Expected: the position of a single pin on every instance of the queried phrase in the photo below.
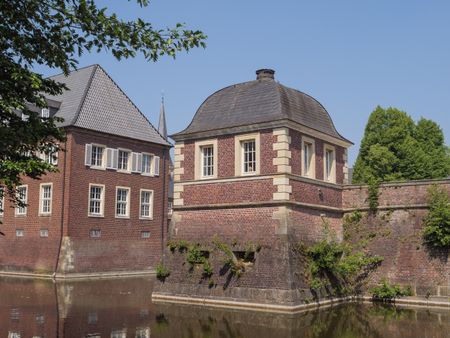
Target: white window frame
(332, 177)
(152, 164)
(239, 154)
(45, 112)
(311, 172)
(199, 146)
(103, 165)
(129, 152)
(41, 199)
(22, 211)
(127, 205)
(102, 200)
(150, 206)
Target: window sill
(147, 174)
(45, 215)
(146, 218)
(123, 171)
(122, 217)
(20, 215)
(96, 168)
(96, 216)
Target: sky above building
(349, 55)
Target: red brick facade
(69, 248)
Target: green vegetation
(387, 292)
(162, 272)
(373, 192)
(396, 148)
(54, 34)
(437, 221)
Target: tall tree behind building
(396, 148)
(55, 33)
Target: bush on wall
(437, 221)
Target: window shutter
(115, 158)
(111, 158)
(156, 166)
(139, 163)
(134, 162)
(88, 154)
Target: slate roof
(262, 100)
(94, 101)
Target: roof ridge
(75, 70)
(86, 90)
(126, 96)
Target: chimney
(265, 74)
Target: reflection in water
(122, 308)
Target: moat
(123, 308)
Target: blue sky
(349, 55)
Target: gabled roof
(94, 101)
(260, 101)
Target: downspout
(62, 208)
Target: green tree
(437, 221)
(54, 33)
(395, 148)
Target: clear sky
(349, 55)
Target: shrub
(207, 269)
(195, 255)
(387, 292)
(437, 221)
(162, 272)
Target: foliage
(181, 245)
(162, 272)
(396, 148)
(195, 255)
(373, 192)
(237, 267)
(337, 265)
(387, 292)
(437, 221)
(54, 33)
(207, 269)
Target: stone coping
(78, 276)
(285, 309)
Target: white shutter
(134, 162)
(111, 158)
(156, 166)
(88, 154)
(139, 163)
(115, 158)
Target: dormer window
(45, 112)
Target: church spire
(162, 128)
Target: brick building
(105, 210)
(260, 163)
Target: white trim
(238, 154)
(103, 166)
(129, 152)
(41, 199)
(311, 173)
(152, 193)
(26, 201)
(332, 177)
(102, 200)
(127, 206)
(199, 158)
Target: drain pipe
(165, 200)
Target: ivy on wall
(437, 221)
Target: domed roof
(259, 101)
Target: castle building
(259, 163)
(105, 210)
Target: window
(170, 207)
(119, 334)
(95, 233)
(19, 232)
(97, 156)
(122, 202)
(45, 203)
(22, 193)
(24, 117)
(146, 206)
(147, 160)
(96, 197)
(50, 158)
(143, 332)
(145, 234)
(45, 112)
(329, 164)
(248, 156)
(308, 157)
(124, 160)
(207, 165)
(43, 233)
(13, 334)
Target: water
(123, 308)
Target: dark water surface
(123, 308)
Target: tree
(54, 33)
(396, 148)
(437, 221)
